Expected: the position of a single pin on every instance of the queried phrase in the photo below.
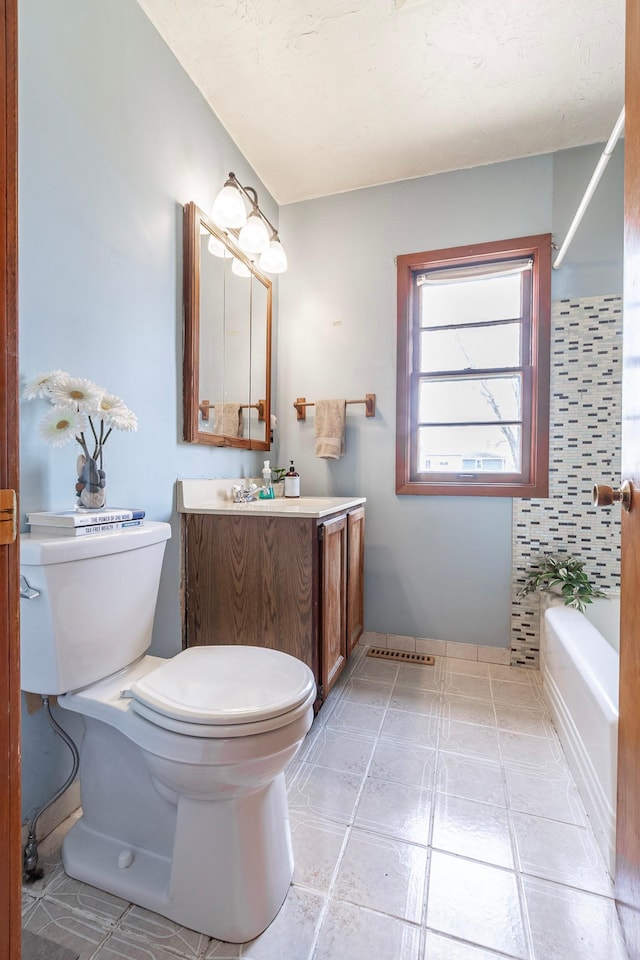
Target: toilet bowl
(182, 760)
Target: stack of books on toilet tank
(75, 523)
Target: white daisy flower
(82, 411)
(121, 418)
(109, 402)
(41, 386)
(83, 394)
(62, 424)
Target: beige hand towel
(227, 419)
(330, 418)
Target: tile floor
(434, 818)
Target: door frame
(627, 885)
(10, 852)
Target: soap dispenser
(267, 492)
(292, 482)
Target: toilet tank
(96, 604)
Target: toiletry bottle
(292, 482)
(267, 492)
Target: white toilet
(182, 760)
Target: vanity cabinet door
(333, 599)
(355, 577)
(292, 584)
(252, 580)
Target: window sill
(475, 489)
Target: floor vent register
(404, 656)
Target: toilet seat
(221, 731)
(224, 691)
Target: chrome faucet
(244, 494)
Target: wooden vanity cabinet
(289, 583)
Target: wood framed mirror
(227, 340)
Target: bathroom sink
(196, 497)
(291, 503)
(288, 507)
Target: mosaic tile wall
(584, 448)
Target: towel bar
(205, 405)
(301, 404)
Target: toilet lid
(225, 685)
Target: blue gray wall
(114, 138)
(435, 567)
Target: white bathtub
(605, 616)
(580, 681)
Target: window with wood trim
(473, 370)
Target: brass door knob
(604, 496)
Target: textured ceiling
(323, 96)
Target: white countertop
(213, 496)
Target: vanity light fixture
(228, 207)
(253, 237)
(274, 260)
(258, 236)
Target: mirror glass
(211, 325)
(227, 340)
(259, 341)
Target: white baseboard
(438, 648)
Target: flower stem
(95, 437)
(83, 443)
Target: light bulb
(228, 207)
(273, 260)
(239, 268)
(253, 236)
(217, 248)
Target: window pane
(471, 301)
(470, 348)
(468, 400)
(484, 449)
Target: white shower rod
(593, 183)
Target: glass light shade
(228, 208)
(273, 260)
(253, 236)
(239, 268)
(218, 249)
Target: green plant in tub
(565, 572)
